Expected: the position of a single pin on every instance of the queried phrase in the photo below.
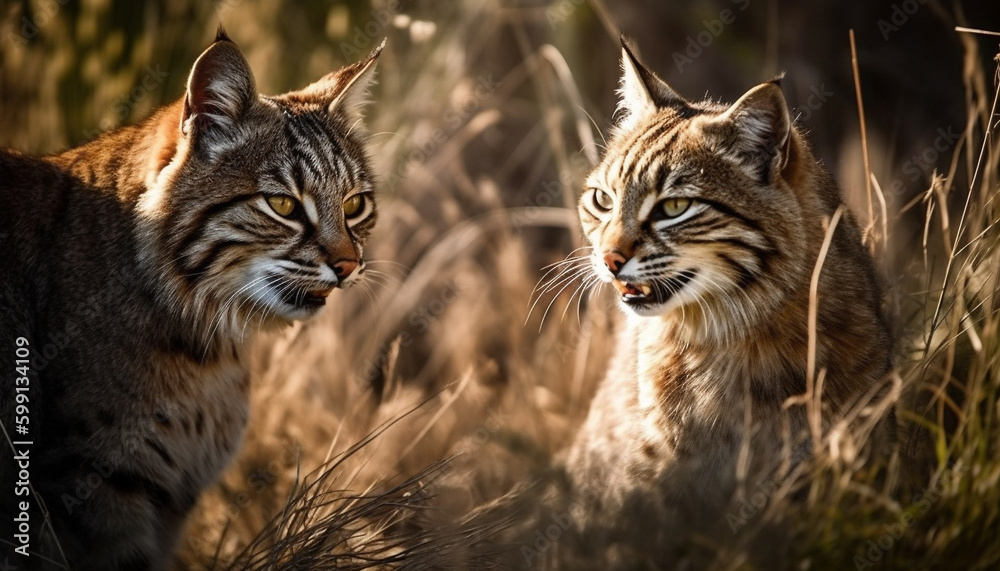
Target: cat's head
(260, 206)
(692, 207)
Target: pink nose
(344, 268)
(614, 261)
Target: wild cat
(133, 272)
(708, 221)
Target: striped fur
(708, 221)
(138, 266)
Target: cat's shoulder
(22, 173)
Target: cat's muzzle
(302, 298)
(658, 292)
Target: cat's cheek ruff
(159, 182)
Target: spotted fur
(139, 265)
(708, 220)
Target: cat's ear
(641, 91)
(344, 92)
(354, 95)
(220, 89)
(757, 128)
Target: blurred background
(486, 117)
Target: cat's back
(32, 190)
(43, 206)
(50, 222)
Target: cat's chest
(191, 421)
(688, 409)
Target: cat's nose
(614, 261)
(344, 268)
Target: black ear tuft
(221, 35)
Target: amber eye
(674, 207)
(282, 205)
(353, 204)
(603, 200)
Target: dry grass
(381, 432)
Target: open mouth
(303, 298)
(638, 294)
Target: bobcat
(708, 221)
(133, 272)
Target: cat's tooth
(646, 290)
(620, 286)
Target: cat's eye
(674, 207)
(353, 205)
(603, 200)
(282, 205)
